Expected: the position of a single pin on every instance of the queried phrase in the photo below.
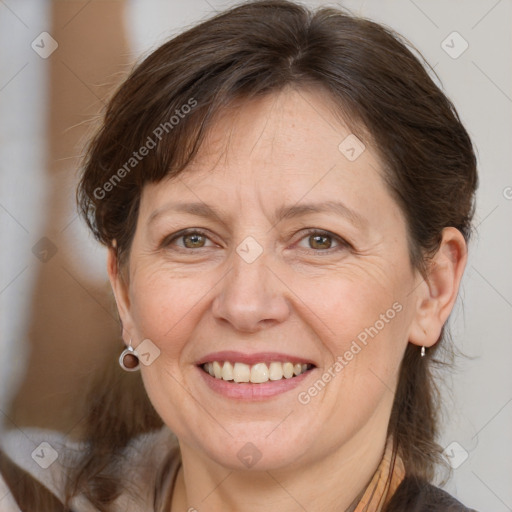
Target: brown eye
(323, 241)
(193, 240)
(320, 241)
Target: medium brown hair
(255, 49)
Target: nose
(251, 296)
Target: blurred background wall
(59, 62)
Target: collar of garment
(385, 481)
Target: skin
(304, 296)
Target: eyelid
(180, 234)
(305, 232)
(341, 241)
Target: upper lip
(258, 357)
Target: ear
(119, 285)
(437, 293)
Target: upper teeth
(257, 373)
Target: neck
(339, 479)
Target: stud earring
(422, 351)
(129, 359)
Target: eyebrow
(201, 209)
(298, 210)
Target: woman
(286, 198)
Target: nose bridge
(250, 295)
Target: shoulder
(7, 502)
(415, 495)
(38, 453)
(144, 458)
(46, 455)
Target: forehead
(282, 148)
(275, 130)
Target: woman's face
(295, 253)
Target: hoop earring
(422, 351)
(129, 359)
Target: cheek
(365, 325)
(355, 308)
(165, 307)
(366, 341)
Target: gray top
(44, 453)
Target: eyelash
(343, 244)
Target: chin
(256, 447)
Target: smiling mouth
(257, 373)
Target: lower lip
(250, 391)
